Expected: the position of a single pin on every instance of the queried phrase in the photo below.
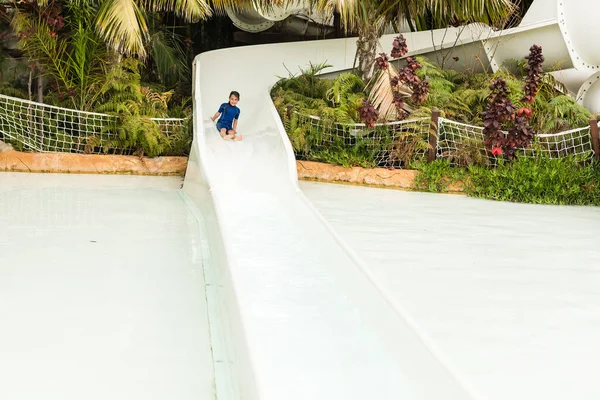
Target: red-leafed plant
(501, 111)
(420, 91)
(399, 104)
(368, 114)
(399, 47)
(520, 134)
(535, 60)
(382, 62)
(408, 76)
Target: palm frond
(81, 11)
(353, 13)
(190, 10)
(432, 14)
(220, 6)
(169, 58)
(491, 12)
(46, 48)
(344, 85)
(86, 62)
(122, 24)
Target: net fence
(574, 142)
(44, 128)
(463, 144)
(388, 145)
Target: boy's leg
(224, 134)
(235, 136)
(223, 131)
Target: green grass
(564, 181)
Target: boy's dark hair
(235, 93)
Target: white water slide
(305, 321)
(114, 288)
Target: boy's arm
(235, 120)
(219, 111)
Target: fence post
(595, 137)
(433, 135)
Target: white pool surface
(102, 293)
(508, 293)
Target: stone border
(378, 177)
(14, 161)
(397, 178)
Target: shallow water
(509, 293)
(102, 293)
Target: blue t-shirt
(228, 114)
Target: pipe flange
(248, 20)
(276, 13)
(589, 93)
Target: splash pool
(102, 290)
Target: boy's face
(233, 100)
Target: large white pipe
(577, 21)
(258, 19)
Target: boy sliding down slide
(228, 121)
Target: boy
(230, 113)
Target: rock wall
(90, 164)
(381, 177)
(14, 161)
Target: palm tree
(123, 23)
(369, 17)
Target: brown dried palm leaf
(382, 95)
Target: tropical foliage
(131, 59)
(72, 64)
(459, 97)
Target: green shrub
(564, 181)
(180, 141)
(437, 176)
(346, 157)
